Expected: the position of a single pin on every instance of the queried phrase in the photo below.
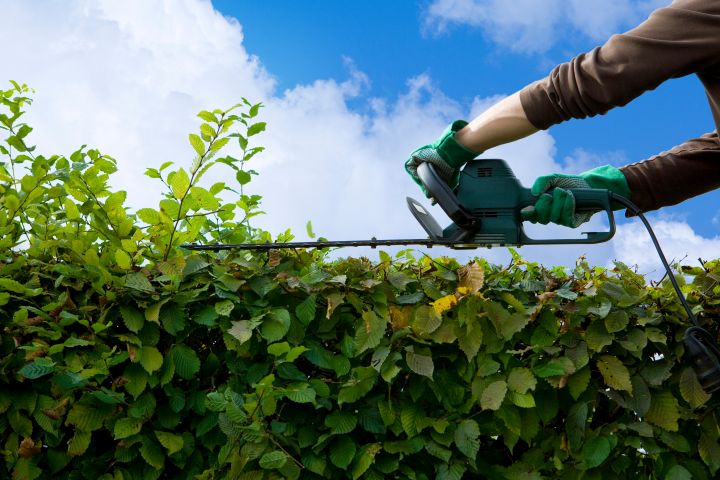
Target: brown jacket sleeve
(675, 41)
(669, 178)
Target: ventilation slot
(486, 214)
(484, 172)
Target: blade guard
(486, 208)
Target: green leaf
(426, 320)
(305, 311)
(138, 281)
(597, 336)
(616, 320)
(172, 318)
(256, 128)
(361, 382)
(151, 359)
(436, 450)
(243, 177)
(241, 330)
(152, 313)
(553, 368)
(207, 131)
(709, 451)
(309, 229)
(420, 364)
(575, 425)
(616, 374)
(187, 363)
(467, 438)
(578, 382)
(276, 325)
(341, 422)
(370, 331)
(179, 182)
(38, 368)
(274, 459)
(224, 308)
(151, 452)
(521, 380)
(173, 443)
(197, 144)
(678, 472)
(506, 324)
(522, 400)
(79, 443)
(87, 418)
(208, 116)
(493, 395)
(342, 452)
(136, 377)
(126, 427)
(71, 209)
(471, 341)
(149, 216)
(295, 353)
(596, 451)
(364, 458)
(133, 318)
(691, 390)
(664, 411)
(300, 393)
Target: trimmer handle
(586, 200)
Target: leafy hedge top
(121, 356)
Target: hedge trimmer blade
(372, 243)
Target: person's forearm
(502, 123)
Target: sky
(350, 89)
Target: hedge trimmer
(485, 212)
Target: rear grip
(591, 199)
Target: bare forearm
(502, 123)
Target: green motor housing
(485, 207)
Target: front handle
(586, 200)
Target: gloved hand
(445, 154)
(558, 206)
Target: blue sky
(350, 88)
(390, 41)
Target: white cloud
(534, 26)
(129, 78)
(581, 160)
(680, 243)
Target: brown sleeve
(669, 178)
(678, 40)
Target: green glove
(445, 154)
(558, 206)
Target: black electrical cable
(635, 210)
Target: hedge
(123, 356)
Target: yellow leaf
(399, 317)
(442, 305)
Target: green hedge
(124, 357)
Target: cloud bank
(129, 78)
(535, 26)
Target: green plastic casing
(490, 192)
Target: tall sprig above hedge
(64, 208)
(173, 224)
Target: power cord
(701, 348)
